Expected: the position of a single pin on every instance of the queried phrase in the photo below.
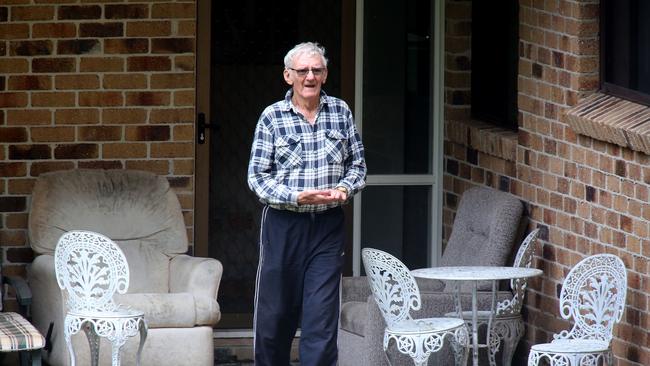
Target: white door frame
(433, 180)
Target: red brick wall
(588, 196)
(92, 84)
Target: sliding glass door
(400, 120)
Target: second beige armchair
(484, 231)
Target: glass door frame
(433, 180)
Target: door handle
(201, 125)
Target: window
(495, 37)
(625, 54)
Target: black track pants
(301, 255)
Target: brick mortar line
(555, 49)
(562, 230)
(592, 168)
(537, 10)
(598, 205)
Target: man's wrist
(342, 189)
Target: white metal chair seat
(396, 293)
(124, 323)
(572, 346)
(427, 325)
(593, 295)
(483, 315)
(90, 269)
(121, 313)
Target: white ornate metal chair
(593, 294)
(507, 324)
(90, 268)
(396, 293)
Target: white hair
(308, 48)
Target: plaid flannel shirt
(289, 155)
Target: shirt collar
(289, 94)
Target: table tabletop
(476, 273)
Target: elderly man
(306, 161)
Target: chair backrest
(485, 225)
(137, 210)
(90, 269)
(392, 285)
(593, 294)
(523, 259)
(133, 208)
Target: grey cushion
(354, 315)
(484, 231)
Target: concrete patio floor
(231, 351)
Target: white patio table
(476, 274)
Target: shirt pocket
(288, 151)
(335, 146)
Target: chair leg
(93, 342)
(421, 362)
(508, 352)
(143, 337)
(515, 332)
(33, 355)
(70, 327)
(533, 358)
(116, 349)
(115, 355)
(459, 343)
(412, 345)
(23, 356)
(495, 340)
(36, 357)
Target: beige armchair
(140, 212)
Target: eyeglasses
(318, 71)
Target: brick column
(92, 85)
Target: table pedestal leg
(474, 325)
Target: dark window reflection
(397, 220)
(397, 86)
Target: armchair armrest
(358, 289)
(437, 304)
(23, 292)
(198, 276)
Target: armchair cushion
(135, 209)
(148, 267)
(123, 205)
(484, 231)
(354, 316)
(177, 310)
